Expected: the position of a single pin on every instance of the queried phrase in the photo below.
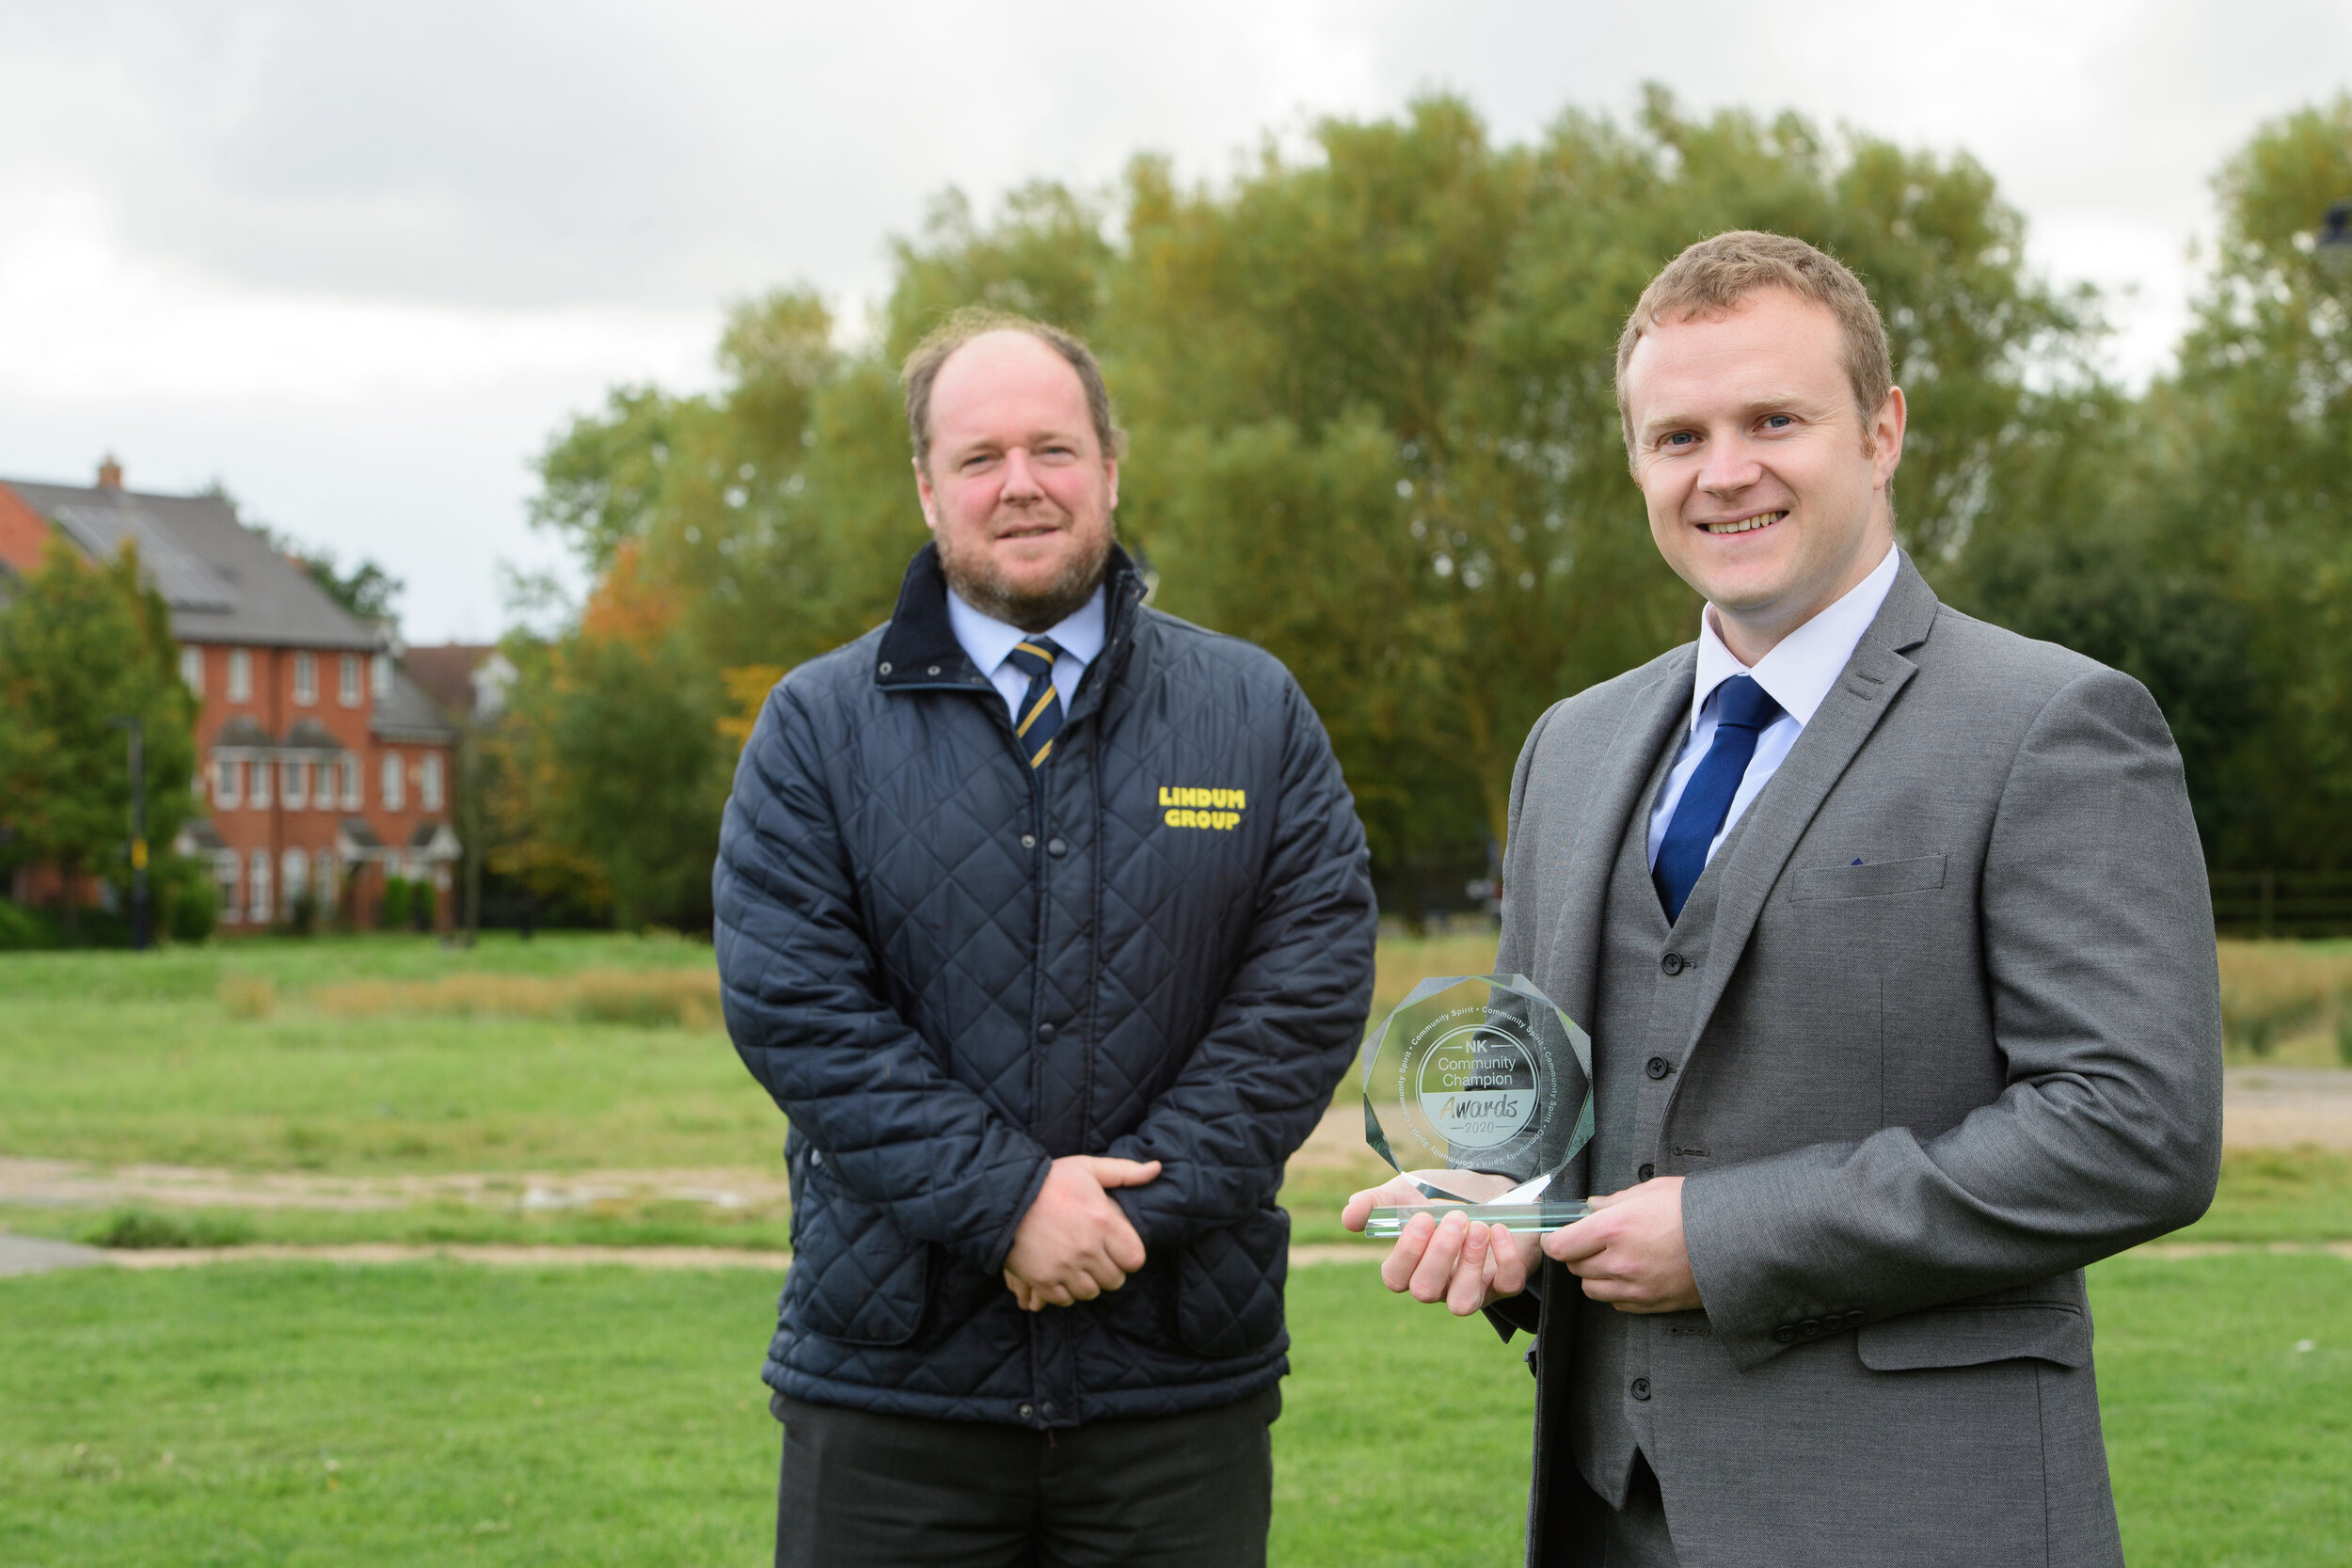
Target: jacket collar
(919, 651)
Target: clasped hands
(1076, 1241)
(1629, 1253)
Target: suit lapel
(1768, 834)
(1625, 767)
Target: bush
(144, 1231)
(187, 902)
(393, 913)
(22, 929)
(422, 902)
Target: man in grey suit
(1891, 929)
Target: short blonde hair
(1715, 276)
(924, 363)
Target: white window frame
(380, 675)
(192, 667)
(327, 877)
(257, 784)
(240, 675)
(227, 790)
(347, 681)
(355, 777)
(429, 782)
(306, 680)
(225, 884)
(395, 785)
(293, 783)
(294, 874)
(257, 880)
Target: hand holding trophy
(1479, 1090)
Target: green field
(300, 1413)
(308, 1415)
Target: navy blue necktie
(1041, 715)
(1742, 709)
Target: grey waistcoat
(1642, 1014)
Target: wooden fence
(2283, 903)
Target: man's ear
(1886, 436)
(1110, 468)
(923, 495)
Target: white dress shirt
(1797, 674)
(988, 643)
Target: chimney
(110, 472)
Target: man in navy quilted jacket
(1045, 917)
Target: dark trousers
(1585, 1532)
(862, 1490)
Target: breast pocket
(1820, 884)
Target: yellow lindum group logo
(1183, 807)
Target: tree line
(1368, 387)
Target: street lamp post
(142, 931)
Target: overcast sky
(358, 261)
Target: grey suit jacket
(1921, 1092)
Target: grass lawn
(309, 1415)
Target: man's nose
(1019, 476)
(1729, 467)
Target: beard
(979, 583)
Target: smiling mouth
(1744, 525)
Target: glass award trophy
(1479, 1091)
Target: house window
(429, 783)
(306, 679)
(395, 788)
(192, 668)
(240, 675)
(297, 792)
(383, 676)
(258, 776)
(351, 782)
(225, 790)
(256, 888)
(325, 875)
(225, 878)
(347, 686)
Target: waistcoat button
(1646, 1171)
(1670, 963)
(1044, 1034)
(1659, 1066)
(1056, 846)
(1641, 1388)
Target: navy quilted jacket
(949, 970)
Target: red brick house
(323, 767)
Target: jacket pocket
(1229, 1286)
(856, 1277)
(1974, 1336)
(1820, 883)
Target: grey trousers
(863, 1490)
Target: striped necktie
(1742, 709)
(1040, 716)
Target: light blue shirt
(988, 643)
(1796, 673)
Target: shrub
(392, 914)
(144, 1231)
(22, 929)
(422, 899)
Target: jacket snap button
(816, 1156)
(1659, 1066)
(934, 669)
(1027, 1411)
(1056, 846)
(1028, 841)
(1784, 1335)
(1641, 1388)
(1046, 1033)
(1670, 963)
(1646, 1171)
